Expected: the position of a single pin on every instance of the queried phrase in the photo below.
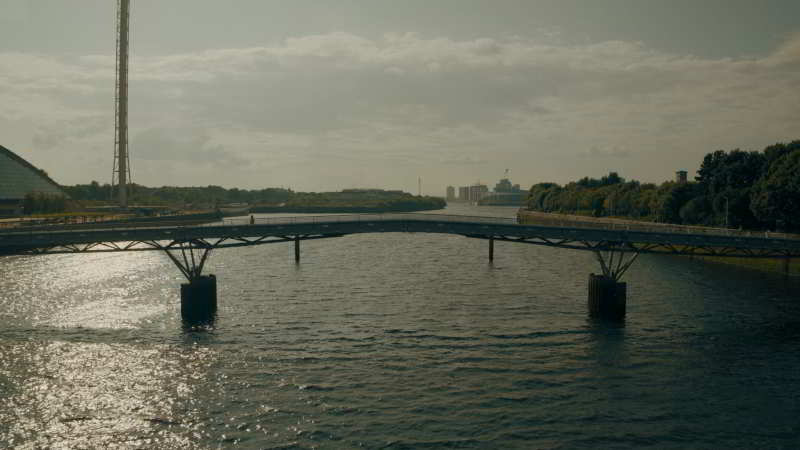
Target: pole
(297, 249)
(122, 102)
(491, 249)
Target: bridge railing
(552, 222)
(365, 218)
(243, 221)
(542, 220)
(659, 228)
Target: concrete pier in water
(199, 300)
(607, 298)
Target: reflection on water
(98, 395)
(395, 340)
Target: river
(396, 341)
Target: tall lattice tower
(121, 172)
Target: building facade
(19, 178)
(477, 192)
(451, 194)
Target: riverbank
(786, 266)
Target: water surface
(395, 341)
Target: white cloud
(444, 107)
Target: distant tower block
(451, 193)
(680, 177)
(121, 171)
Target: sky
(332, 94)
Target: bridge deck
(233, 233)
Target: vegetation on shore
(738, 189)
(261, 200)
(175, 195)
(42, 203)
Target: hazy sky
(325, 95)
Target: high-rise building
(451, 193)
(463, 194)
(680, 177)
(477, 192)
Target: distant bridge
(615, 245)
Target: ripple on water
(394, 341)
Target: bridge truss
(189, 255)
(616, 257)
(188, 246)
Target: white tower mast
(121, 172)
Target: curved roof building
(19, 178)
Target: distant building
(477, 192)
(451, 193)
(680, 176)
(463, 194)
(504, 185)
(19, 178)
(505, 194)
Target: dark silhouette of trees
(775, 199)
(215, 196)
(40, 202)
(173, 195)
(740, 189)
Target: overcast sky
(324, 95)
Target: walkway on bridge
(188, 246)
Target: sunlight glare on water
(395, 341)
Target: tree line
(737, 189)
(175, 195)
(43, 203)
(215, 196)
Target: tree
(673, 196)
(697, 211)
(611, 178)
(776, 198)
(39, 202)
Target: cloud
(407, 100)
(191, 146)
(616, 152)
(464, 160)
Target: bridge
(188, 246)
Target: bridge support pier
(199, 300)
(607, 297)
(199, 295)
